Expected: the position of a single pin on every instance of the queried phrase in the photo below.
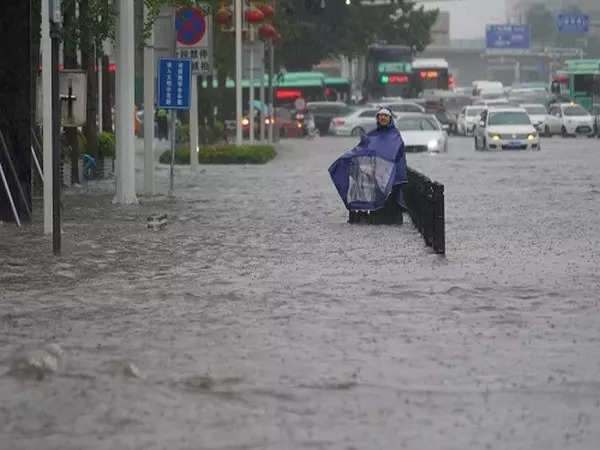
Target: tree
(311, 34)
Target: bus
(292, 85)
(388, 72)
(584, 81)
(430, 74)
(337, 89)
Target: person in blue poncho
(369, 178)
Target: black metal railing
(425, 203)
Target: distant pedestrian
(163, 126)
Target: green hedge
(106, 144)
(224, 154)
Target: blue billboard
(508, 36)
(573, 23)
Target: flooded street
(259, 319)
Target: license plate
(514, 144)
(584, 129)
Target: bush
(106, 144)
(182, 133)
(224, 154)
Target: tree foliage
(313, 34)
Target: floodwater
(259, 319)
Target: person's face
(383, 119)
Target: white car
(506, 129)
(467, 119)
(492, 102)
(537, 114)
(357, 122)
(405, 107)
(421, 133)
(568, 119)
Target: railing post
(439, 232)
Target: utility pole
(46, 44)
(55, 20)
(238, 72)
(125, 138)
(149, 111)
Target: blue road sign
(508, 36)
(174, 82)
(573, 23)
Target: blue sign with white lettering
(573, 23)
(508, 36)
(174, 82)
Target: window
(472, 112)
(575, 110)
(539, 110)
(583, 83)
(369, 113)
(509, 118)
(416, 124)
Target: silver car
(357, 122)
(467, 119)
(568, 119)
(537, 114)
(506, 129)
(421, 133)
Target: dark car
(448, 121)
(323, 112)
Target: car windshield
(471, 112)
(575, 110)
(535, 109)
(509, 118)
(416, 124)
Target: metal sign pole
(56, 220)
(172, 167)
(262, 97)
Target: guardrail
(425, 203)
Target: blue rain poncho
(366, 176)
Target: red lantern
(254, 15)
(223, 15)
(266, 31)
(267, 10)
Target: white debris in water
(37, 363)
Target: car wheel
(563, 132)
(358, 131)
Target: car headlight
(494, 136)
(531, 137)
(434, 144)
